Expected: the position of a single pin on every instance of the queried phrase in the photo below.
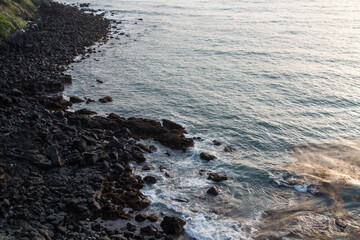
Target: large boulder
(173, 225)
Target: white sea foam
(185, 193)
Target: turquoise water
(259, 76)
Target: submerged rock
(105, 99)
(229, 149)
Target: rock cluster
(61, 170)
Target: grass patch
(13, 15)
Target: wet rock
(207, 156)
(75, 99)
(216, 143)
(175, 141)
(85, 111)
(105, 99)
(152, 218)
(153, 148)
(150, 180)
(229, 149)
(140, 217)
(131, 227)
(181, 200)
(128, 234)
(149, 230)
(146, 168)
(96, 227)
(213, 191)
(164, 168)
(84, 4)
(202, 171)
(217, 177)
(172, 125)
(173, 225)
(89, 100)
(168, 175)
(198, 139)
(144, 148)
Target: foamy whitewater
(278, 81)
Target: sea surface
(278, 81)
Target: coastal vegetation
(14, 15)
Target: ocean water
(278, 81)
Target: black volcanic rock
(173, 225)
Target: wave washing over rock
(254, 76)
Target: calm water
(279, 81)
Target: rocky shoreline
(60, 170)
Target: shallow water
(276, 80)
